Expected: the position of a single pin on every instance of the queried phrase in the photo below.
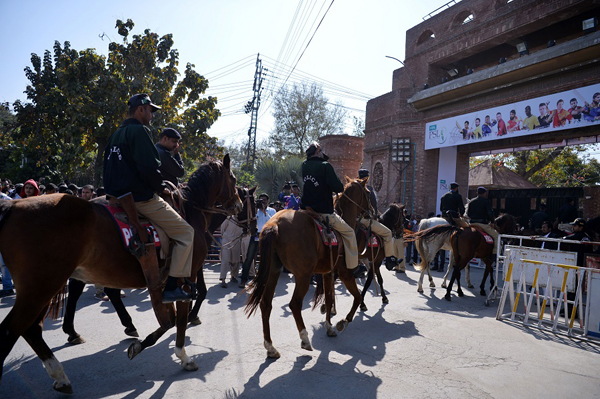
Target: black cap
(481, 190)
(362, 173)
(312, 149)
(171, 133)
(578, 222)
(454, 185)
(141, 99)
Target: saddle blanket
(121, 218)
(488, 238)
(325, 238)
(373, 242)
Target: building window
(377, 176)
(426, 36)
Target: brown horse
(86, 245)
(291, 238)
(393, 219)
(469, 243)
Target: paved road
(418, 346)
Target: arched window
(463, 18)
(426, 36)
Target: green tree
(271, 174)
(302, 115)
(571, 166)
(77, 99)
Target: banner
(565, 110)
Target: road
(417, 346)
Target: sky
(222, 39)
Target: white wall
(446, 173)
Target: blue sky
(348, 49)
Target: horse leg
(449, 271)
(302, 284)
(377, 267)
(75, 289)
(455, 277)
(487, 272)
(350, 283)
(459, 290)
(468, 276)
(138, 346)
(266, 305)
(193, 318)
(370, 273)
(114, 295)
(188, 364)
(329, 303)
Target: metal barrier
(524, 279)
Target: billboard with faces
(564, 110)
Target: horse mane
(197, 189)
(506, 223)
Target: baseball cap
(171, 133)
(481, 189)
(362, 173)
(142, 99)
(454, 185)
(578, 222)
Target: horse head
(353, 201)
(505, 224)
(228, 195)
(393, 217)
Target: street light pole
(412, 81)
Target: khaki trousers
(160, 213)
(399, 253)
(348, 237)
(491, 231)
(383, 231)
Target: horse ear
(364, 180)
(348, 180)
(227, 161)
(252, 190)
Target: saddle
(142, 242)
(372, 239)
(488, 238)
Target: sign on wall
(565, 110)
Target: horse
(87, 246)
(429, 241)
(393, 219)
(291, 238)
(76, 287)
(469, 243)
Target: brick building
(476, 56)
(345, 153)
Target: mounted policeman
(452, 205)
(480, 212)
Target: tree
(570, 166)
(77, 99)
(271, 174)
(302, 115)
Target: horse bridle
(362, 210)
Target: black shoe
(242, 283)
(390, 262)
(5, 293)
(176, 295)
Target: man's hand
(166, 191)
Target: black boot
(391, 262)
(173, 293)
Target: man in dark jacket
(171, 165)
(481, 215)
(452, 202)
(320, 181)
(131, 166)
(538, 218)
(567, 213)
(378, 228)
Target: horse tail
(421, 250)
(454, 243)
(319, 292)
(267, 259)
(424, 237)
(55, 310)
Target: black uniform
(567, 213)
(480, 210)
(171, 165)
(452, 201)
(320, 181)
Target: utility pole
(252, 108)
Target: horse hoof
(306, 345)
(482, 293)
(448, 297)
(420, 290)
(63, 388)
(331, 332)
(341, 325)
(432, 285)
(76, 340)
(460, 294)
(134, 349)
(323, 309)
(195, 322)
(274, 354)
(487, 303)
(333, 312)
(470, 286)
(132, 332)
(191, 366)
(363, 308)
(385, 300)
(444, 285)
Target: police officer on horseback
(370, 222)
(320, 181)
(480, 212)
(452, 205)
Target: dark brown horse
(245, 219)
(393, 219)
(291, 238)
(469, 243)
(87, 246)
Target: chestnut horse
(245, 218)
(87, 246)
(393, 219)
(291, 238)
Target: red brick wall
(345, 153)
